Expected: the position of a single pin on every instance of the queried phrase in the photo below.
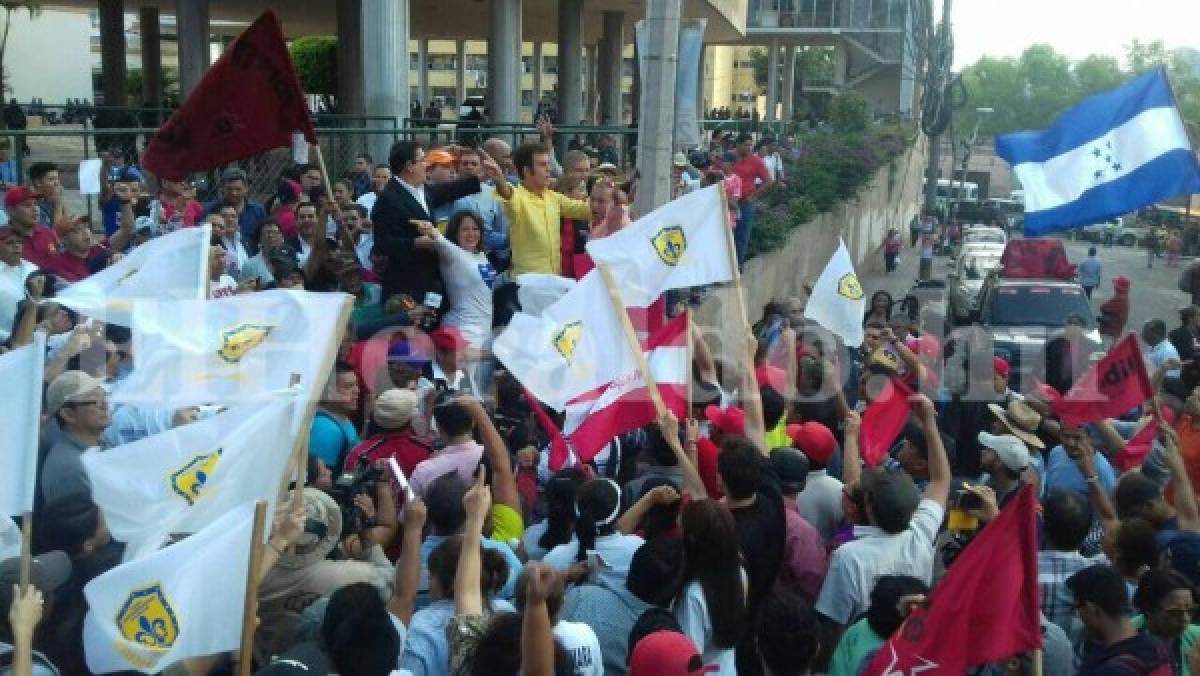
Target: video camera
(362, 480)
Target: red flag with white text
(985, 610)
(249, 101)
(594, 418)
(1116, 384)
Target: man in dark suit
(412, 263)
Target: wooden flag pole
(690, 363)
(26, 549)
(631, 338)
(300, 450)
(1037, 662)
(250, 603)
(731, 249)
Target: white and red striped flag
(595, 417)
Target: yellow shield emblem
(188, 481)
(670, 243)
(147, 619)
(566, 339)
(239, 340)
(849, 287)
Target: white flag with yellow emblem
(837, 300)
(171, 267)
(183, 601)
(20, 417)
(574, 346)
(232, 350)
(683, 243)
(181, 480)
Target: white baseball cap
(1011, 450)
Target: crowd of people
(750, 537)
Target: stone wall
(889, 200)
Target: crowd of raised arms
(749, 538)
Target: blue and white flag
(1112, 154)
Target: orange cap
(439, 158)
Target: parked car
(966, 277)
(985, 234)
(1021, 315)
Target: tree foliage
(1028, 92)
(315, 57)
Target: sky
(1075, 28)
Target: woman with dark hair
(1167, 604)
(469, 277)
(880, 308)
(605, 553)
(559, 525)
(711, 606)
(268, 237)
(283, 206)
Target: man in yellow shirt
(535, 212)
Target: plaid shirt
(1053, 570)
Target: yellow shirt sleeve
(507, 524)
(579, 210)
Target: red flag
(1137, 448)
(1036, 259)
(986, 609)
(249, 101)
(594, 418)
(1112, 387)
(559, 451)
(882, 422)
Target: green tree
(10, 6)
(170, 86)
(1049, 85)
(1095, 74)
(316, 63)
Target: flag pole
(1037, 662)
(731, 249)
(26, 549)
(300, 450)
(250, 603)
(631, 338)
(690, 364)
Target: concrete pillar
(790, 55)
(191, 25)
(570, 61)
(839, 64)
(772, 79)
(112, 51)
(152, 93)
(460, 72)
(657, 125)
(385, 25)
(350, 57)
(591, 84)
(907, 70)
(701, 104)
(612, 48)
(423, 72)
(504, 62)
(539, 67)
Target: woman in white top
(711, 606)
(559, 525)
(469, 278)
(606, 552)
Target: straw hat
(1021, 420)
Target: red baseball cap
(730, 420)
(19, 194)
(1121, 283)
(1000, 364)
(667, 653)
(814, 440)
(448, 338)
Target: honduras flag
(1111, 154)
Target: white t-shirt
(856, 566)
(469, 278)
(367, 199)
(581, 644)
(12, 292)
(692, 613)
(609, 560)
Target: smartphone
(433, 300)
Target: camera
(362, 480)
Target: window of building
(413, 60)
(448, 96)
(526, 97)
(442, 62)
(627, 66)
(477, 62)
(550, 64)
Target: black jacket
(410, 270)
